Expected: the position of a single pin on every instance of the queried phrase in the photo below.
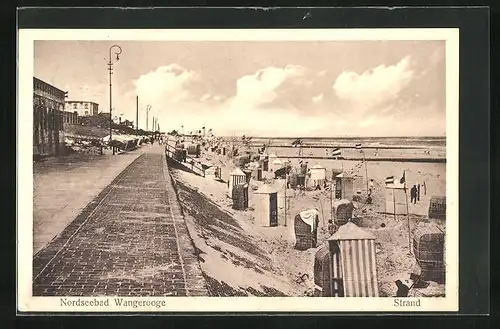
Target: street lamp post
(148, 108)
(118, 51)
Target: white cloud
(263, 86)
(268, 102)
(373, 86)
(317, 99)
(171, 84)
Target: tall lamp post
(118, 51)
(148, 108)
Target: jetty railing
(190, 163)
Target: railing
(190, 163)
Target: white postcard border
(27, 303)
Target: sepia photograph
(314, 167)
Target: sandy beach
(290, 271)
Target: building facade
(70, 117)
(83, 108)
(48, 106)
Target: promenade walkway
(131, 240)
(62, 188)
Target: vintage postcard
(306, 170)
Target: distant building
(70, 117)
(83, 108)
(48, 108)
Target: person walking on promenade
(418, 192)
(371, 186)
(413, 194)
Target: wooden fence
(191, 163)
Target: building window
(86, 112)
(74, 107)
(86, 106)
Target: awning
(121, 138)
(237, 172)
(309, 217)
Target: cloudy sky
(327, 88)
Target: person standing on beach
(331, 227)
(403, 289)
(418, 192)
(425, 189)
(413, 194)
(303, 168)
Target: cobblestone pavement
(131, 240)
(62, 187)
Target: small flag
(358, 146)
(389, 180)
(336, 151)
(403, 179)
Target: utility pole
(148, 108)
(110, 69)
(331, 199)
(286, 182)
(366, 171)
(137, 115)
(407, 215)
(394, 203)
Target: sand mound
(232, 262)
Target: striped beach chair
(353, 263)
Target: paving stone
(125, 242)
